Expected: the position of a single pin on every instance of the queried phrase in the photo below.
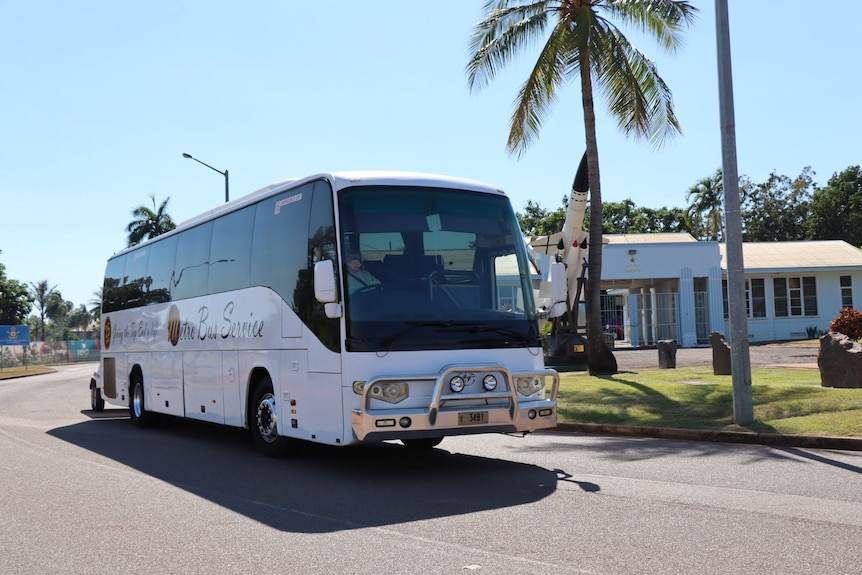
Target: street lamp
(224, 173)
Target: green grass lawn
(10, 372)
(786, 400)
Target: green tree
(15, 299)
(537, 221)
(96, 305)
(706, 201)
(778, 209)
(41, 296)
(57, 310)
(584, 44)
(618, 217)
(836, 210)
(149, 223)
(79, 318)
(662, 220)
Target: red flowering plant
(848, 322)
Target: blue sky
(100, 98)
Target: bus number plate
(473, 418)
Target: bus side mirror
(325, 289)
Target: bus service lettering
(230, 328)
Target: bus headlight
(456, 384)
(530, 385)
(388, 391)
(489, 382)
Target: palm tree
(706, 199)
(583, 43)
(42, 294)
(96, 305)
(57, 310)
(149, 223)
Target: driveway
(794, 354)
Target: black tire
(422, 444)
(97, 402)
(263, 421)
(137, 409)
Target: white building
(671, 286)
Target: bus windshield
(433, 268)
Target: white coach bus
(338, 308)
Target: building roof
(659, 238)
(784, 256)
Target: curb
(715, 436)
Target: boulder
(840, 361)
(720, 354)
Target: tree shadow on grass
(699, 406)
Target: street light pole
(224, 173)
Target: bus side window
(230, 251)
(191, 269)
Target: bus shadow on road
(322, 489)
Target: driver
(357, 276)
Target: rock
(720, 354)
(840, 361)
(666, 354)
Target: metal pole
(740, 362)
(224, 173)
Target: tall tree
(79, 318)
(538, 221)
(836, 210)
(777, 210)
(706, 199)
(96, 305)
(57, 310)
(42, 296)
(149, 223)
(584, 44)
(15, 300)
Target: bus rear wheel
(137, 409)
(264, 422)
(97, 402)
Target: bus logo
(174, 325)
(108, 333)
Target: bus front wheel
(264, 421)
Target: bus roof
(339, 181)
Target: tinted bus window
(280, 242)
(192, 262)
(160, 269)
(230, 251)
(321, 246)
(135, 277)
(112, 294)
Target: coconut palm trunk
(583, 41)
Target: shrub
(848, 322)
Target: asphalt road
(89, 493)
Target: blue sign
(14, 335)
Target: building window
(795, 296)
(755, 298)
(846, 291)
